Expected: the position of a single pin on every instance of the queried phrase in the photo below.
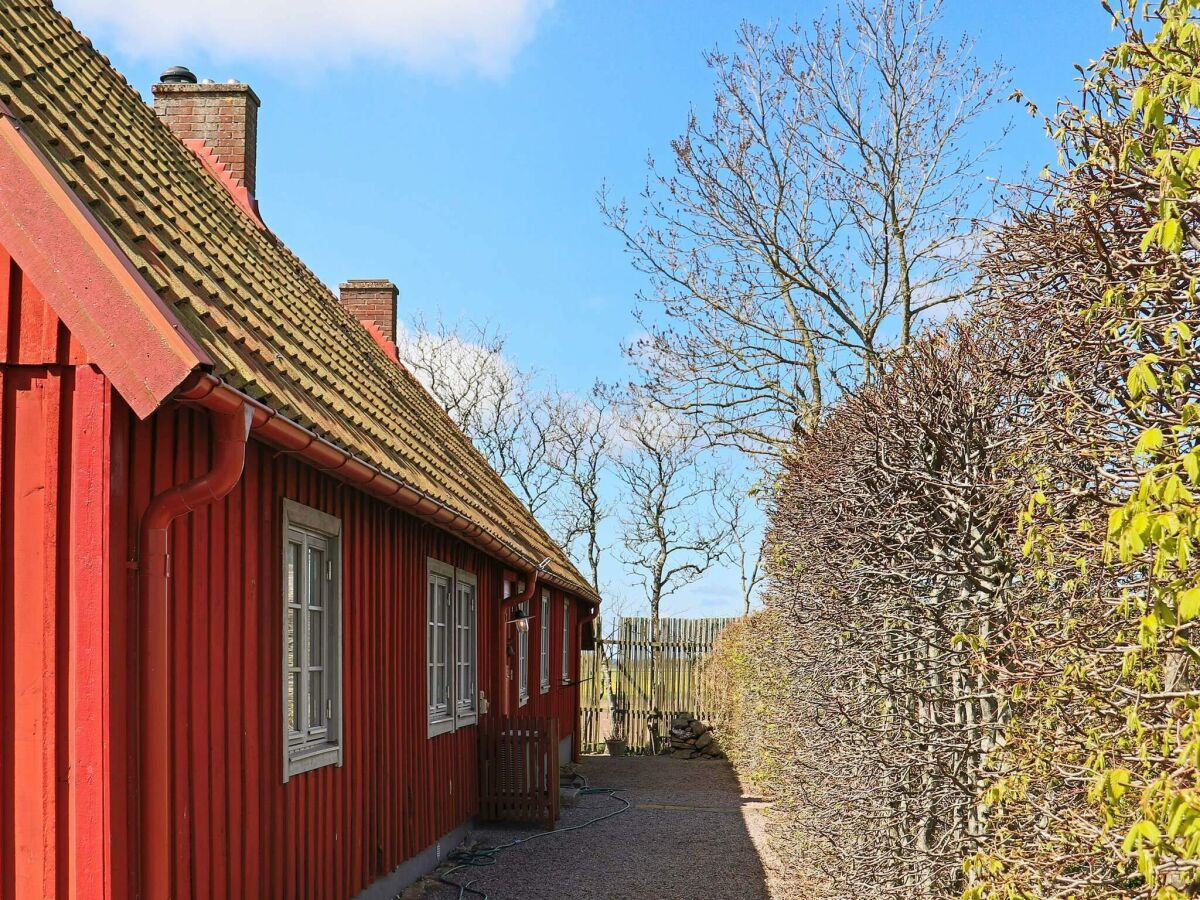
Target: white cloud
(455, 35)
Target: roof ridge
(224, 174)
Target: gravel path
(689, 831)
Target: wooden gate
(616, 677)
(518, 769)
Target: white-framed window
(523, 658)
(465, 650)
(312, 645)
(566, 640)
(451, 647)
(544, 643)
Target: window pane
(544, 648)
(523, 656)
(292, 681)
(431, 643)
(316, 700)
(566, 642)
(438, 646)
(316, 638)
(316, 577)
(464, 626)
(293, 624)
(443, 641)
(291, 582)
(312, 664)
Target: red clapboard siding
(77, 470)
(54, 769)
(239, 831)
(30, 332)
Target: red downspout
(231, 428)
(507, 605)
(577, 739)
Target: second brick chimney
(224, 117)
(372, 300)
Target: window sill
(546, 688)
(305, 759)
(521, 701)
(441, 726)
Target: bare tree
(581, 458)
(515, 423)
(463, 365)
(807, 226)
(521, 441)
(672, 533)
(745, 537)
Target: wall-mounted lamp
(521, 620)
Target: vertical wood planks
(682, 645)
(518, 770)
(77, 471)
(239, 830)
(54, 581)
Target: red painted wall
(239, 831)
(54, 589)
(76, 472)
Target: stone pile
(692, 739)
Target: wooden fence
(518, 769)
(617, 678)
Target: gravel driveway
(689, 831)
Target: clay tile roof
(274, 330)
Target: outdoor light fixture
(521, 620)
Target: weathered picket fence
(617, 677)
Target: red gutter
(269, 426)
(231, 420)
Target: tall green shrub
(1095, 790)
(856, 698)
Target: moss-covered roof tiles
(274, 330)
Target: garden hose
(465, 859)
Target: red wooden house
(256, 589)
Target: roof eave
(273, 428)
(124, 326)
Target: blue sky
(469, 176)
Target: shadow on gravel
(684, 835)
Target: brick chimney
(372, 300)
(221, 117)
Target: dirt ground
(689, 831)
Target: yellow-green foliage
(749, 694)
(1085, 643)
(1096, 793)
(754, 699)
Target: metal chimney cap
(178, 75)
